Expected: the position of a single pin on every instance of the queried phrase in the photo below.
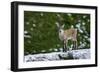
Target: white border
(22, 64)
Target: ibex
(65, 35)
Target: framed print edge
(14, 36)
(96, 35)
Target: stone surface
(74, 54)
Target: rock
(74, 54)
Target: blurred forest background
(41, 34)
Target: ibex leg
(73, 45)
(76, 44)
(64, 46)
(65, 49)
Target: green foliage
(41, 34)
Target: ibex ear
(63, 26)
(58, 25)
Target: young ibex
(65, 35)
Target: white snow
(59, 15)
(55, 49)
(43, 51)
(31, 29)
(79, 27)
(27, 36)
(29, 41)
(50, 49)
(27, 23)
(83, 23)
(34, 25)
(41, 14)
(84, 16)
(74, 54)
(69, 14)
(88, 20)
(25, 32)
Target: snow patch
(27, 23)
(34, 25)
(69, 14)
(27, 36)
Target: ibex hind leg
(64, 47)
(74, 45)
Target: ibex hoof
(64, 50)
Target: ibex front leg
(64, 46)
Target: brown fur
(71, 34)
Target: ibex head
(60, 28)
